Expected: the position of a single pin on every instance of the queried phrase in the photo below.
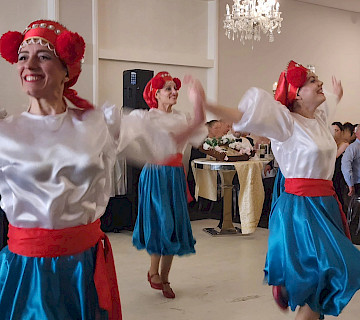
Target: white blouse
(304, 148)
(56, 170)
(173, 123)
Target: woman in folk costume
(163, 225)
(56, 166)
(310, 261)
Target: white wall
(78, 18)
(325, 37)
(156, 35)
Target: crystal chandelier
(249, 17)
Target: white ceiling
(348, 5)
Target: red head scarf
(155, 84)
(68, 46)
(290, 81)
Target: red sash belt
(315, 188)
(176, 161)
(37, 242)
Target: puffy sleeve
(136, 137)
(199, 135)
(264, 116)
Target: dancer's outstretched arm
(198, 119)
(196, 93)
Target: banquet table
(251, 193)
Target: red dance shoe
(168, 293)
(156, 286)
(281, 300)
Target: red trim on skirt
(315, 188)
(50, 243)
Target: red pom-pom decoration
(9, 45)
(158, 82)
(297, 76)
(70, 47)
(177, 83)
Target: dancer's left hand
(197, 96)
(337, 88)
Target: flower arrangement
(228, 148)
(230, 141)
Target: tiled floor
(223, 280)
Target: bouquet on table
(228, 148)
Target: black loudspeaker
(134, 82)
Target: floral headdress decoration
(290, 81)
(68, 46)
(156, 83)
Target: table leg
(227, 186)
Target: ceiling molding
(347, 5)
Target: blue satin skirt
(163, 225)
(309, 254)
(279, 187)
(48, 288)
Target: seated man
(242, 137)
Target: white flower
(248, 151)
(227, 138)
(206, 146)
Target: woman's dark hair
(348, 127)
(336, 123)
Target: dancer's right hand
(197, 96)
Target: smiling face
(41, 73)
(167, 96)
(311, 92)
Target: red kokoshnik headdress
(68, 46)
(290, 81)
(157, 83)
